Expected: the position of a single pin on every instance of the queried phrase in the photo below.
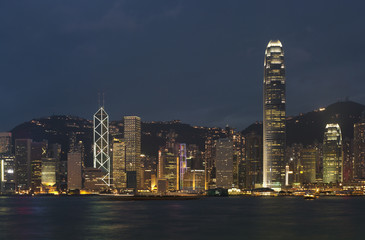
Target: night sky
(197, 61)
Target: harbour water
(208, 218)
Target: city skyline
(173, 119)
(163, 49)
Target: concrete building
(119, 164)
(253, 150)
(224, 163)
(75, 160)
(132, 139)
(23, 163)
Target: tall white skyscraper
(274, 116)
(101, 144)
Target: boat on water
(310, 196)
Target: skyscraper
(101, 144)
(168, 164)
(74, 167)
(22, 163)
(253, 151)
(49, 169)
(359, 148)
(274, 115)
(309, 155)
(332, 154)
(38, 152)
(5, 143)
(119, 173)
(209, 158)
(224, 163)
(182, 164)
(132, 138)
(348, 160)
(7, 174)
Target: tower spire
(103, 99)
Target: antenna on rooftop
(103, 99)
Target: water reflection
(211, 218)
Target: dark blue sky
(198, 61)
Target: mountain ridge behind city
(305, 128)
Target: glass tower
(101, 144)
(119, 173)
(274, 116)
(359, 148)
(132, 139)
(332, 154)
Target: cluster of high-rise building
(31, 167)
(230, 160)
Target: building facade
(332, 154)
(169, 164)
(132, 139)
(22, 163)
(224, 163)
(309, 155)
(75, 160)
(253, 149)
(119, 170)
(359, 149)
(5, 143)
(101, 145)
(274, 116)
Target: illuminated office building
(7, 174)
(22, 163)
(7, 164)
(119, 171)
(224, 163)
(148, 170)
(348, 160)
(332, 154)
(359, 149)
(74, 167)
(5, 143)
(239, 165)
(54, 151)
(49, 168)
(93, 179)
(194, 176)
(293, 160)
(38, 152)
(253, 150)
(101, 145)
(308, 161)
(168, 164)
(132, 139)
(274, 116)
(209, 159)
(182, 164)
